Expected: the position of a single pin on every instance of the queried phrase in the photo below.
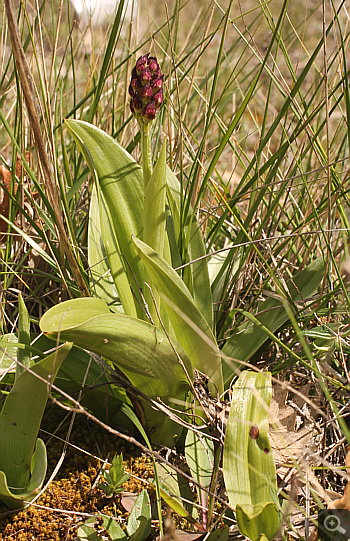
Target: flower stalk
(146, 98)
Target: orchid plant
(151, 312)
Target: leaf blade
(196, 338)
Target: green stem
(146, 152)
(145, 130)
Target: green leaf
(115, 260)
(249, 337)
(15, 499)
(139, 349)
(115, 477)
(248, 464)
(178, 508)
(102, 283)
(174, 484)
(174, 487)
(196, 276)
(20, 420)
(220, 534)
(8, 348)
(259, 523)
(199, 452)
(120, 179)
(87, 532)
(191, 329)
(104, 400)
(139, 521)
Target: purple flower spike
(146, 88)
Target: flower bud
(157, 84)
(153, 64)
(145, 76)
(158, 98)
(146, 88)
(149, 112)
(136, 105)
(146, 94)
(141, 64)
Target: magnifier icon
(332, 524)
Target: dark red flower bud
(146, 94)
(158, 99)
(141, 64)
(146, 76)
(135, 105)
(157, 84)
(146, 88)
(133, 87)
(153, 64)
(149, 112)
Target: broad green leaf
(8, 352)
(248, 464)
(218, 274)
(141, 508)
(196, 275)
(199, 453)
(120, 179)
(115, 260)
(20, 420)
(114, 530)
(176, 493)
(16, 498)
(178, 508)
(88, 533)
(260, 524)
(249, 337)
(104, 400)
(102, 284)
(192, 331)
(79, 372)
(138, 348)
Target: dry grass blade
(34, 115)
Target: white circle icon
(332, 524)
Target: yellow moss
(72, 489)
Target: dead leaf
(289, 440)
(127, 500)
